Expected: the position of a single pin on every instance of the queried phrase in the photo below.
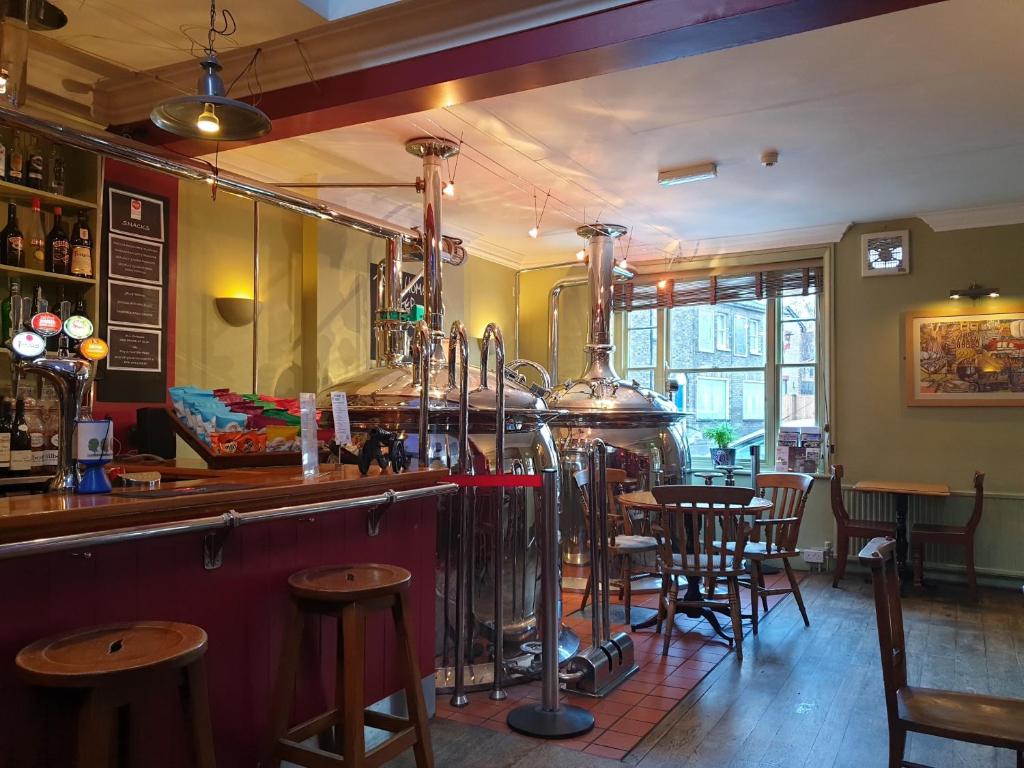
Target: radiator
(997, 545)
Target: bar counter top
(181, 497)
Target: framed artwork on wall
(885, 253)
(973, 358)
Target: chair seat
(964, 716)
(89, 657)
(625, 543)
(938, 529)
(759, 550)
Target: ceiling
(892, 116)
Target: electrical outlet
(814, 555)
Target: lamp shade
(235, 311)
(235, 120)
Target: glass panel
(798, 341)
(643, 318)
(644, 377)
(695, 332)
(717, 398)
(797, 396)
(798, 307)
(642, 347)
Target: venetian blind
(802, 278)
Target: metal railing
(225, 521)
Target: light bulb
(449, 189)
(994, 295)
(208, 121)
(662, 283)
(580, 255)
(954, 295)
(533, 232)
(624, 264)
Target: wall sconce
(973, 292)
(235, 311)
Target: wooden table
(644, 500)
(902, 491)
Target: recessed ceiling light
(688, 174)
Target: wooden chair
(621, 546)
(694, 521)
(848, 528)
(788, 492)
(989, 720)
(961, 536)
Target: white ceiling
(916, 111)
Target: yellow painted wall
(574, 315)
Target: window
(739, 336)
(721, 331)
(642, 346)
(712, 398)
(756, 337)
(752, 363)
(705, 330)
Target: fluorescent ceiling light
(690, 173)
(332, 10)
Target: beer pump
(71, 377)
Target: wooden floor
(805, 697)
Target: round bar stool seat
(709, 477)
(116, 667)
(348, 593)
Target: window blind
(681, 289)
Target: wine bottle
(34, 420)
(36, 256)
(5, 437)
(16, 166)
(36, 164)
(81, 247)
(56, 171)
(12, 313)
(58, 247)
(12, 244)
(21, 442)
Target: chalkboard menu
(133, 289)
(412, 294)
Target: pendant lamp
(210, 114)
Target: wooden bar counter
(241, 604)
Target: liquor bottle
(21, 442)
(81, 247)
(12, 313)
(58, 247)
(35, 258)
(12, 244)
(36, 164)
(5, 436)
(34, 421)
(16, 164)
(62, 342)
(39, 304)
(50, 440)
(56, 171)
(80, 307)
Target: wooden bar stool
(348, 593)
(115, 667)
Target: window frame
(723, 340)
(702, 378)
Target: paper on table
(342, 426)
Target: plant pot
(723, 457)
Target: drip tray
(188, 490)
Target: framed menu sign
(133, 290)
(131, 213)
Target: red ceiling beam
(634, 35)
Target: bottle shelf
(39, 274)
(23, 195)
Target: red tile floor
(627, 714)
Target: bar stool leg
(198, 710)
(353, 624)
(284, 687)
(96, 731)
(414, 702)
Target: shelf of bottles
(51, 207)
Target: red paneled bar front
(242, 604)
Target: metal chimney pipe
(433, 151)
(601, 259)
(392, 341)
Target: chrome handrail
(226, 520)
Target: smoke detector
(770, 158)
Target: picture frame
(885, 254)
(973, 357)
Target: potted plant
(722, 455)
